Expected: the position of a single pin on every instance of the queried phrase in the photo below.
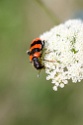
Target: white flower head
(63, 53)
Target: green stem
(52, 16)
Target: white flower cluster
(63, 53)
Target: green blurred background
(24, 98)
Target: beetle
(35, 53)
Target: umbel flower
(63, 53)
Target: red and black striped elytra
(35, 53)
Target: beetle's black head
(37, 64)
